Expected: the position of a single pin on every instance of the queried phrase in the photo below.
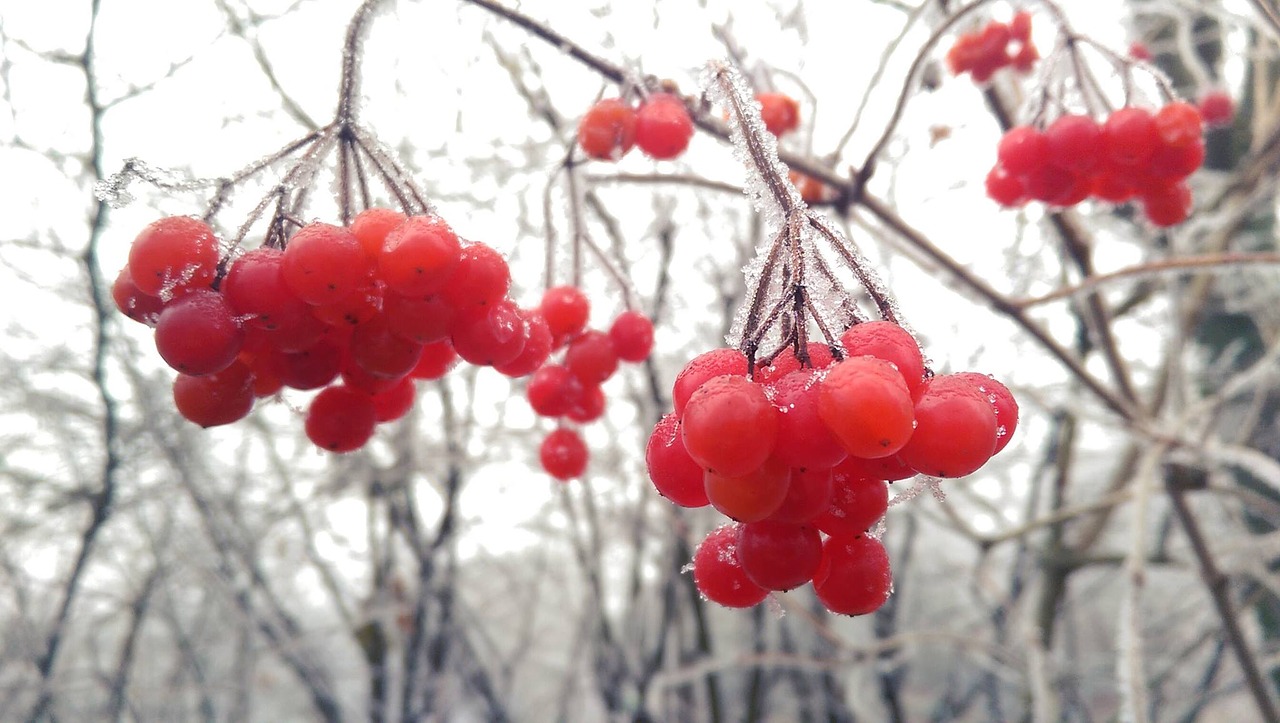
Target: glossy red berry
(173, 255)
(1167, 205)
(853, 577)
(730, 426)
(867, 406)
(1179, 124)
(198, 333)
(341, 419)
(1005, 188)
(536, 351)
(313, 367)
(1075, 142)
(890, 342)
(779, 556)
(566, 310)
(803, 438)
(808, 495)
(552, 391)
(1129, 137)
(608, 130)
(632, 335)
(705, 366)
(563, 454)
(1217, 108)
(718, 573)
(1023, 150)
(324, 263)
(856, 503)
(1006, 407)
(382, 353)
(751, 496)
(481, 277)
(591, 357)
(672, 471)
(132, 302)
(438, 357)
(255, 289)
(663, 126)
(215, 399)
(956, 429)
(371, 226)
(489, 335)
(396, 401)
(419, 256)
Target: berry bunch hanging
(796, 440)
(660, 126)
(996, 45)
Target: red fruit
(132, 302)
(1023, 150)
(1217, 108)
(730, 426)
(489, 335)
(853, 577)
(808, 495)
(324, 264)
(778, 556)
(173, 255)
(563, 454)
(536, 351)
(591, 357)
(1075, 143)
(422, 320)
(381, 353)
(1020, 26)
(632, 336)
(553, 391)
(1005, 188)
(1165, 205)
(1170, 163)
(588, 407)
(215, 399)
(198, 333)
(481, 277)
(890, 342)
(395, 402)
(672, 471)
(663, 126)
(566, 310)
(1006, 407)
(1112, 187)
(311, 368)
(357, 377)
(1129, 137)
(340, 419)
(608, 130)
(955, 429)
(781, 112)
(1138, 50)
(718, 573)
(1179, 124)
(1053, 185)
(419, 256)
(748, 497)
(786, 362)
(867, 406)
(803, 438)
(371, 226)
(1025, 59)
(890, 469)
(255, 288)
(438, 357)
(355, 308)
(302, 335)
(706, 365)
(856, 503)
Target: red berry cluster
(571, 389)
(661, 126)
(357, 312)
(1133, 155)
(798, 450)
(996, 45)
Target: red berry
(1179, 124)
(311, 368)
(173, 255)
(1138, 50)
(381, 353)
(730, 426)
(566, 310)
(1129, 137)
(563, 454)
(553, 391)
(663, 126)
(340, 419)
(786, 361)
(438, 357)
(751, 496)
(198, 333)
(355, 308)
(255, 288)
(588, 407)
(856, 503)
(1217, 108)
(718, 573)
(371, 226)
(537, 348)
(1023, 150)
(395, 402)
(706, 365)
(324, 263)
(132, 302)
(591, 357)
(803, 438)
(867, 406)
(608, 130)
(489, 335)
(1020, 26)
(672, 471)
(890, 469)
(781, 112)
(808, 495)
(419, 256)
(853, 577)
(215, 399)
(1166, 205)
(778, 556)
(1075, 142)
(423, 320)
(955, 432)
(1006, 407)
(481, 277)
(890, 342)
(1005, 188)
(632, 335)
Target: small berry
(608, 130)
(663, 126)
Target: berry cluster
(661, 126)
(571, 388)
(805, 447)
(996, 45)
(356, 312)
(1133, 155)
